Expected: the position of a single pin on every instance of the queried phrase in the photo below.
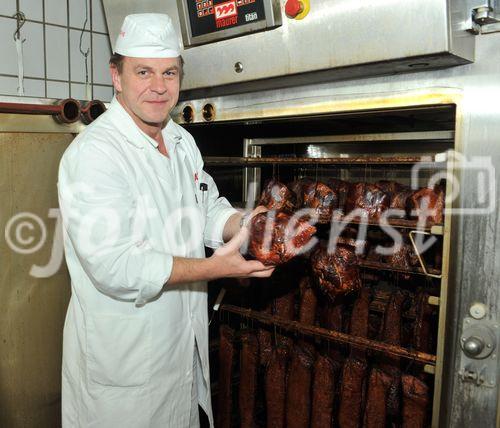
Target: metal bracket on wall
(484, 16)
(479, 342)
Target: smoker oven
(360, 91)
(390, 143)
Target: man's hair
(116, 59)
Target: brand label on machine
(226, 14)
(208, 16)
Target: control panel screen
(211, 16)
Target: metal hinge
(484, 16)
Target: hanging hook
(21, 20)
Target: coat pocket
(119, 350)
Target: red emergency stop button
(293, 8)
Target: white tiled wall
(7, 7)
(54, 67)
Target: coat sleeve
(218, 212)
(100, 219)
(218, 208)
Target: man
(137, 210)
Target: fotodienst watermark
(100, 228)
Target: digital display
(211, 16)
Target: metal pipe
(65, 111)
(92, 110)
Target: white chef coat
(128, 342)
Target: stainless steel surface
(479, 342)
(473, 346)
(482, 13)
(478, 311)
(338, 39)
(251, 176)
(32, 308)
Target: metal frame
(445, 136)
(425, 99)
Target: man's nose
(158, 84)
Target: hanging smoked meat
(265, 340)
(415, 402)
(352, 393)
(428, 204)
(323, 393)
(336, 273)
(331, 318)
(275, 387)
(369, 199)
(318, 196)
(308, 303)
(359, 321)
(298, 394)
(277, 196)
(284, 306)
(403, 257)
(224, 395)
(376, 399)
(354, 372)
(399, 195)
(422, 329)
(391, 365)
(342, 189)
(248, 378)
(274, 242)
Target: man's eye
(142, 72)
(170, 73)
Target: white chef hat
(148, 35)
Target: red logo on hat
(122, 33)
(195, 177)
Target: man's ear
(116, 78)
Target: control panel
(207, 21)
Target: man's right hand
(231, 264)
(226, 262)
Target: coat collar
(134, 135)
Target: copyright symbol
(21, 235)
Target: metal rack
(349, 157)
(318, 332)
(340, 160)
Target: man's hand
(226, 262)
(230, 263)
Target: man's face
(148, 87)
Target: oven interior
(391, 372)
